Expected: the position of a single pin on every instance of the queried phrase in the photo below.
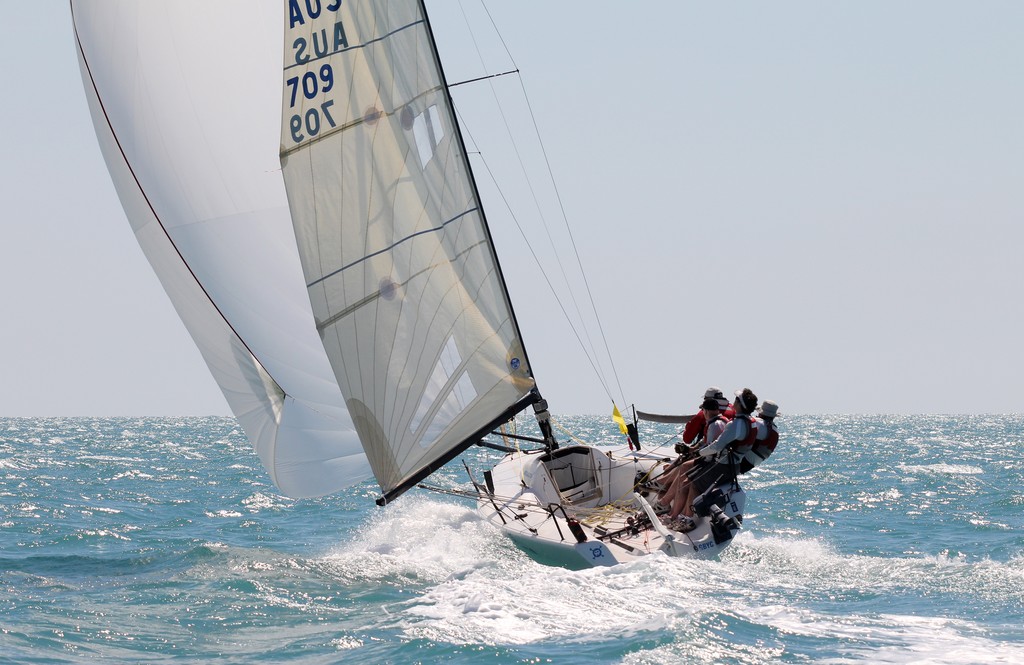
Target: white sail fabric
(400, 270)
(185, 98)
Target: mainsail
(409, 350)
(401, 273)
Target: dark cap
(710, 403)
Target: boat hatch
(574, 473)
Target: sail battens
(400, 270)
(391, 494)
(391, 247)
(387, 290)
(325, 135)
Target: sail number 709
(310, 121)
(312, 86)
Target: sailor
(674, 481)
(694, 434)
(739, 435)
(767, 436)
(696, 425)
(721, 457)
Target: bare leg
(679, 495)
(688, 500)
(678, 476)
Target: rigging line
(547, 231)
(666, 441)
(567, 432)
(558, 196)
(545, 275)
(572, 240)
(498, 32)
(591, 349)
(533, 192)
(540, 266)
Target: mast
(540, 405)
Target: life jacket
(707, 425)
(765, 448)
(702, 436)
(745, 444)
(696, 429)
(737, 450)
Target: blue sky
(821, 201)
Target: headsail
(404, 282)
(185, 99)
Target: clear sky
(822, 201)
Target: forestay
(404, 283)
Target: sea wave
(865, 539)
(942, 468)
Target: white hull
(533, 496)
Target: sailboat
(295, 174)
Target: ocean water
(881, 539)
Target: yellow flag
(617, 417)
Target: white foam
(943, 469)
(538, 603)
(260, 501)
(222, 513)
(132, 473)
(898, 639)
(477, 588)
(426, 538)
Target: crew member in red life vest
(694, 434)
(767, 436)
(739, 434)
(721, 457)
(675, 480)
(695, 426)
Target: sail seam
(149, 204)
(391, 247)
